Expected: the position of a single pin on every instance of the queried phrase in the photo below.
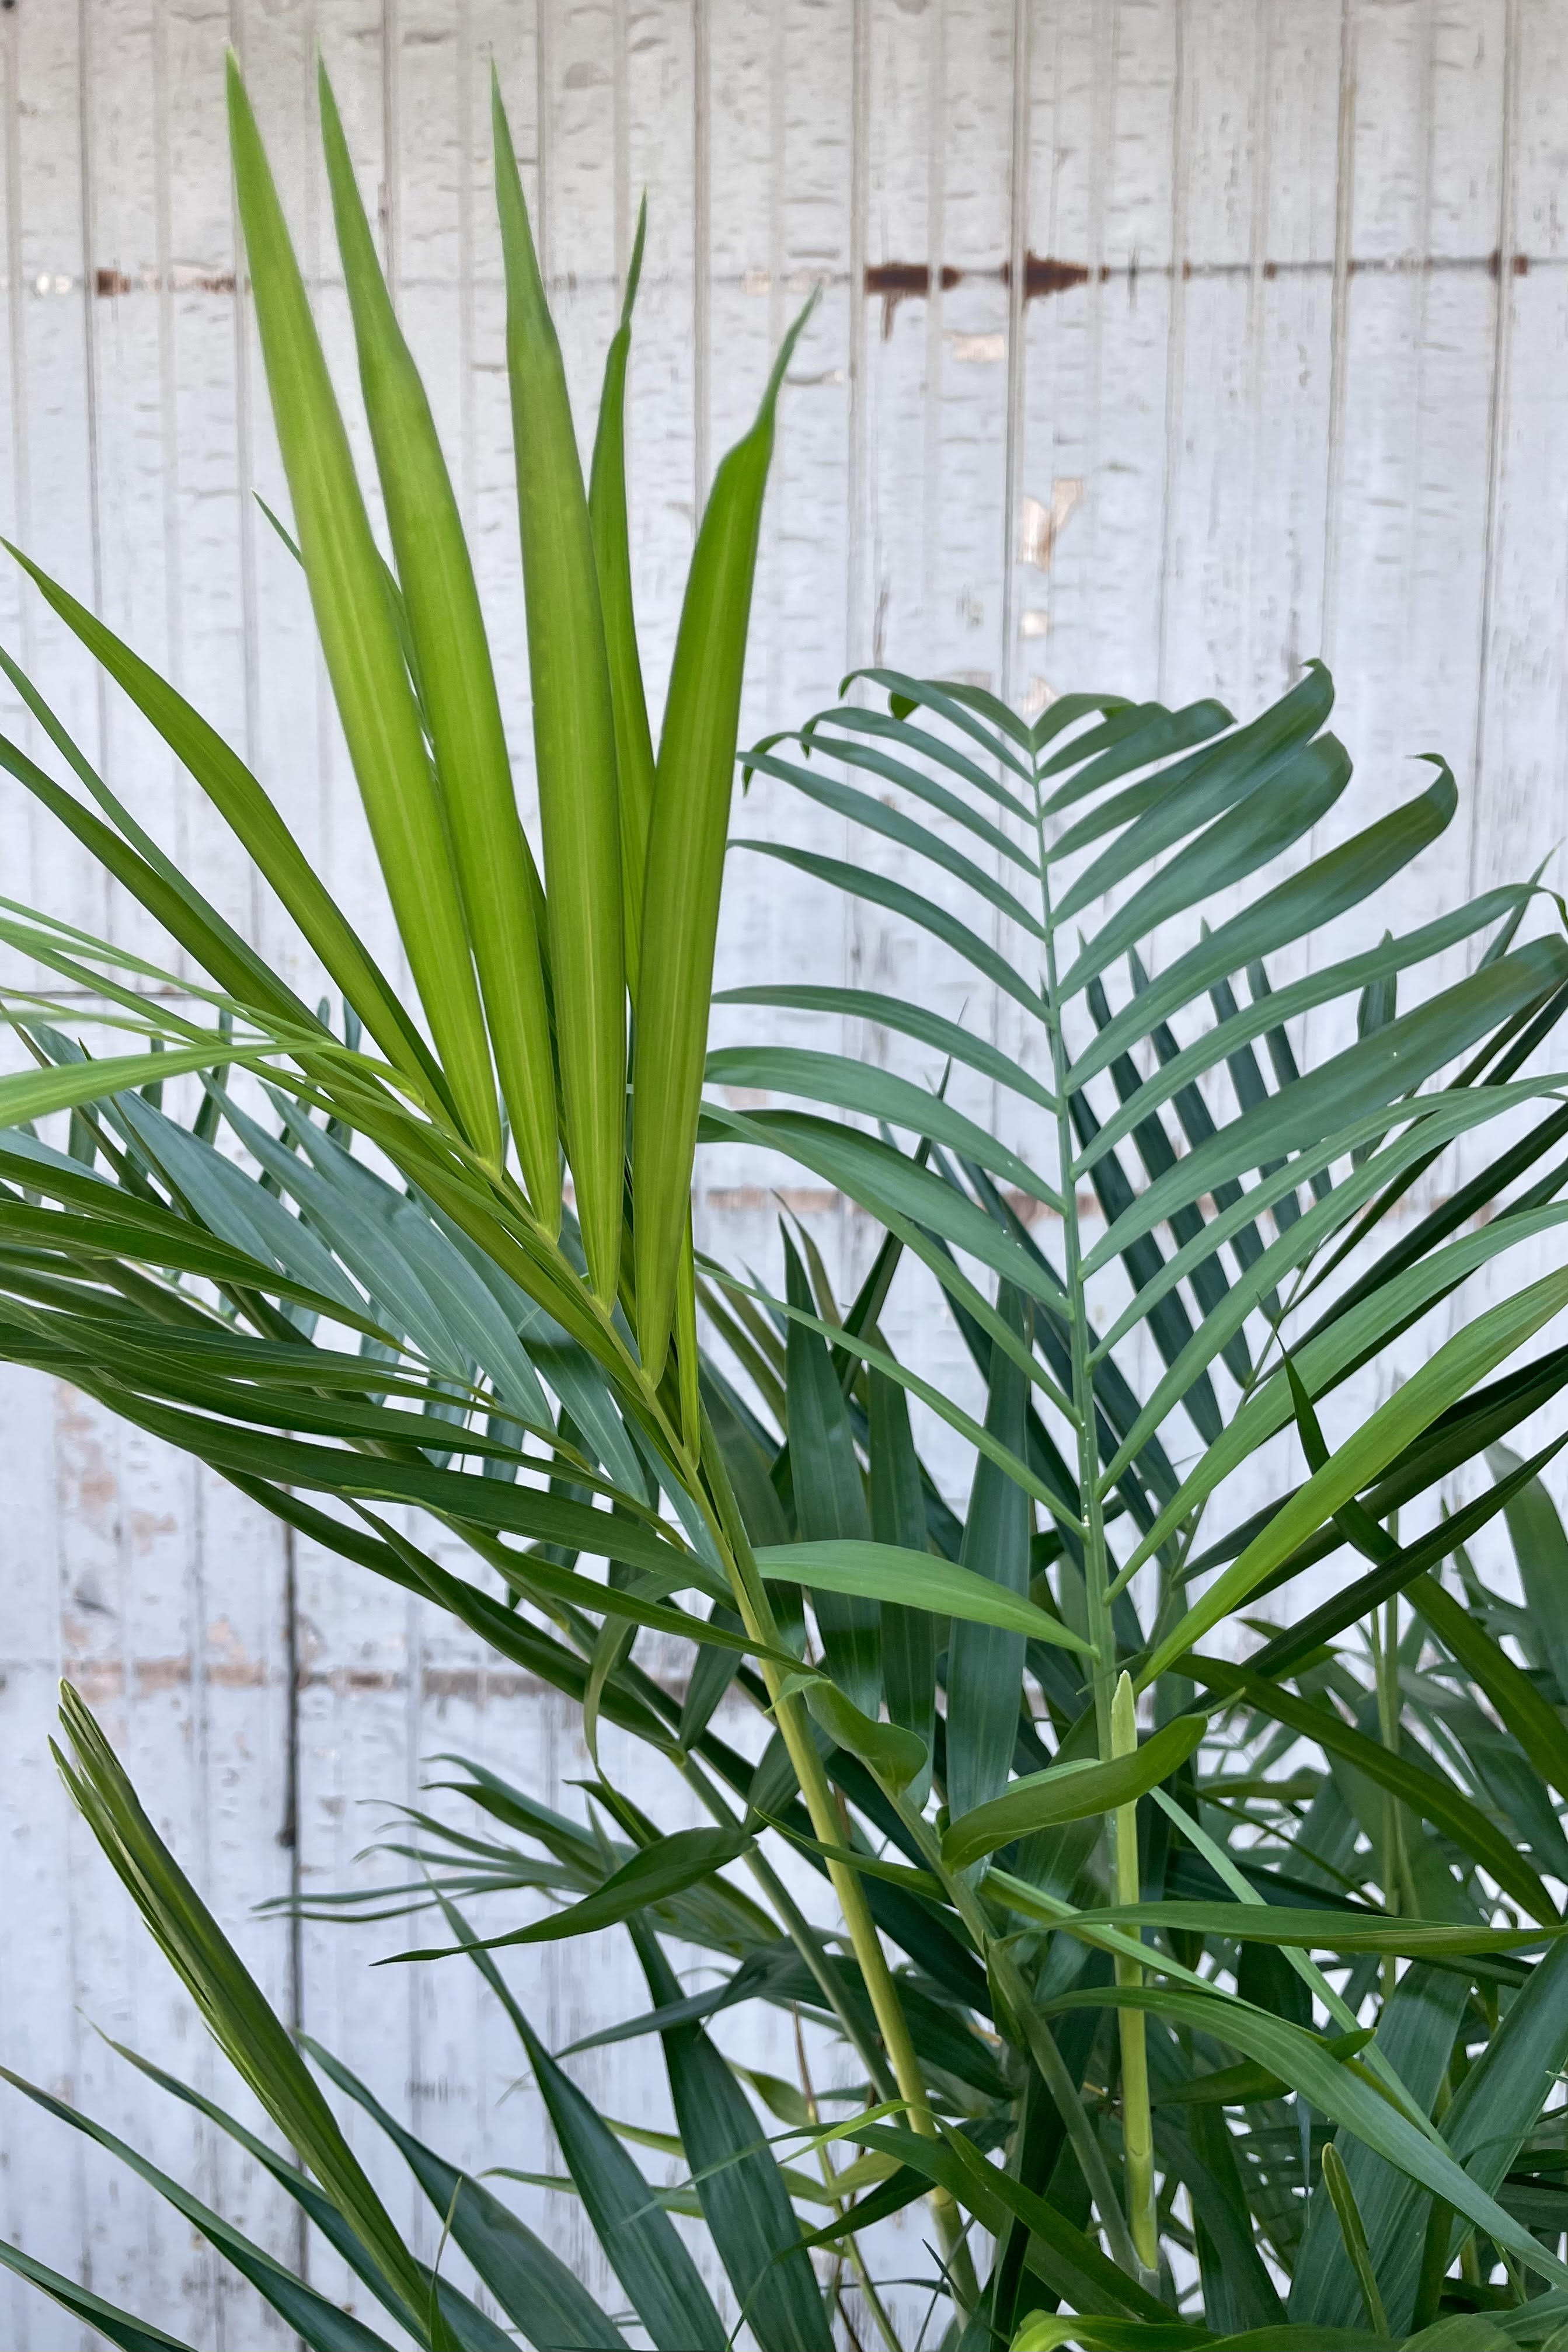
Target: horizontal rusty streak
(110, 283)
(801, 1199)
(98, 1679)
(1043, 276)
(102, 1681)
(900, 278)
(898, 281)
(892, 282)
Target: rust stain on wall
(108, 283)
(904, 281)
(900, 281)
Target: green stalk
(1114, 1718)
(1395, 1868)
(798, 1928)
(1097, 1557)
(1003, 1970)
(794, 1724)
(1137, 2122)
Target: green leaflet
(648, 1879)
(1536, 1727)
(33, 1093)
(650, 2258)
(855, 1347)
(573, 738)
(140, 868)
(1447, 1375)
(866, 809)
(1340, 2092)
(1429, 1793)
(227, 1998)
(495, 866)
(1336, 2181)
(1188, 793)
(897, 1190)
(532, 2286)
(467, 2325)
(744, 2202)
(320, 2323)
(1368, 1075)
(829, 1498)
(1269, 822)
(1324, 1931)
(1495, 2105)
(686, 835)
(1071, 2262)
(612, 556)
(914, 1579)
(985, 1661)
(1540, 1549)
(845, 1084)
(132, 2334)
(246, 809)
(898, 1519)
(359, 640)
(899, 1756)
(1069, 1792)
(910, 1020)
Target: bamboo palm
(1242, 2030)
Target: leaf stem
(794, 1724)
(1005, 1973)
(1137, 2120)
(1096, 1555)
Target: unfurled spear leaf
(612, 552)
(686, 864)
(573, 738)
(358, 639)
(495, 865)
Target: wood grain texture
(1159, 349)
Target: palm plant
(1104, 2051)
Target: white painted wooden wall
(1164, 343)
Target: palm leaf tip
(574, 737)
(612, 551)
(356, 622)
(686, 861)
(449, 654)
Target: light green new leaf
(686, 836)
(246, 809)
(612, 553)
(573, 738)
(501, 888)
(358, 639)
